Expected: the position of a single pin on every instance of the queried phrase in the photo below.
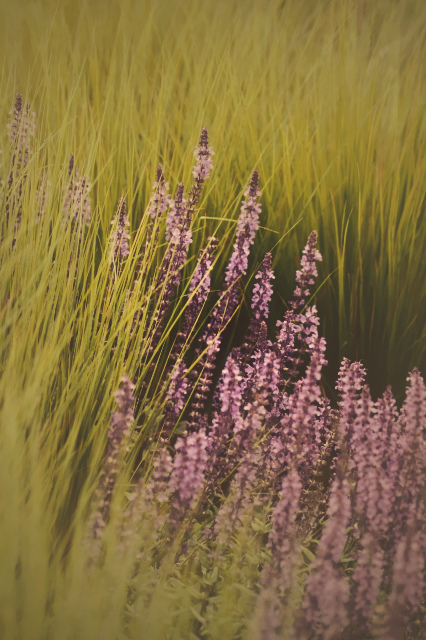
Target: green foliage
(326, 99)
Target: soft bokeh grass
(327, 99)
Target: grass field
(326, 101)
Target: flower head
(77, 205)
(119, 239)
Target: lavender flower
(295, 439)
(242, 491)
(367, 578)
(43, 195)
(21, 128)
(349, 384)
(327, 591)
(201, 280)
(119, 239)
(204, 154)
(411, 446)
(77, 205)
(305, 277)
(229, 399)
(202, 169)
(187, 476)
(262, 290)
(147, 512)
(289, 329)
(199, 289)
(177, 218)
(264, 370)
(177, 390)
(175, 398)
(299, 331)
(121, 421)
(408, 582)
(261, 297)
(159, 201)
(169, 277)
(280, 574)
(247, 226)
(158, 204)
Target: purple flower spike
(262, 290)
(77, 206)
(248, 224)
(178, 389)
(241, 496)
(305, 277)
(179, 237)
(367, 579)
(202, 169)
(298, 427)
(230, 396)
(119, 240)
(176, 218)
(261, 297)
(159, 200)
(175, 399)
(158, 204)
(327, 591)
(280, 574)
(43, 196)
(21, 128)
(187, 477)
(408, 581)
(123, 417)
(199, 289)
(204, 154)
(349, 384)
(279, 541)
(121, 421)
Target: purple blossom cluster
(210, 343)
(178, 233)
(258, 441)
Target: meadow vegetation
(188, 444)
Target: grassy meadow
(174, 464)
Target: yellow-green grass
(325, 98)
